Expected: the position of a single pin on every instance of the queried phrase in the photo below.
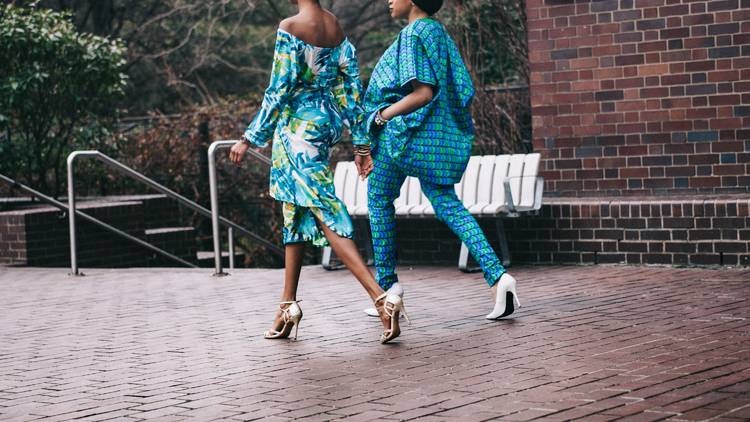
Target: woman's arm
(348, 95)
(420, 96)
(283, 77)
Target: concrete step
(38, 236)
(158, 210)
(179, 241)
(206, 259)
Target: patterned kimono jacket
(433, 142)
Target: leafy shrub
(57, 87)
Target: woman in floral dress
(314, 91)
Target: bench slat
(418, 199)
(350, 186)
(502, 163)
(400, 202)
(528, 185)
(361, 204)
(515, 171)
(484, 184)
(339, 177)
(470, 179)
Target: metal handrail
(63, 207)
(215, 146)
(506, 88)
(141, 178)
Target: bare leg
(293, 254)
(347, 251)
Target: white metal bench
(492, 186)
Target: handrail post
(216, 220)
(72, 216)
(230, 239)
(215, 146)
(218, 271)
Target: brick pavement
(591, 343)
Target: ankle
(374, 294)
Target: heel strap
(288, 302)
(285, 313)
(390, 307)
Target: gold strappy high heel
(395, 289)
(391, 306)
(290, 317)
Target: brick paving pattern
(591, 343)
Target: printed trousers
(384, 185)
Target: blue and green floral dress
(314, 91)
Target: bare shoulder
(322, 29)
(332, 22)
(288, 24)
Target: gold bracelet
(362, 150)
(379, 120)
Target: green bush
(57, 88)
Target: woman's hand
(364, 165)
(237, 153)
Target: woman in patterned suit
(314, 91)
(418, 101)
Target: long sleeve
(414, 58)
(348, 95)
(283, 79)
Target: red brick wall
(583, 231)
(687, 231)
(641, 97)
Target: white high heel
(505, 297)
(290, 316)
(397, 290)
(392, 306)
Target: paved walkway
(591, 343)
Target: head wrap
(429, 6)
